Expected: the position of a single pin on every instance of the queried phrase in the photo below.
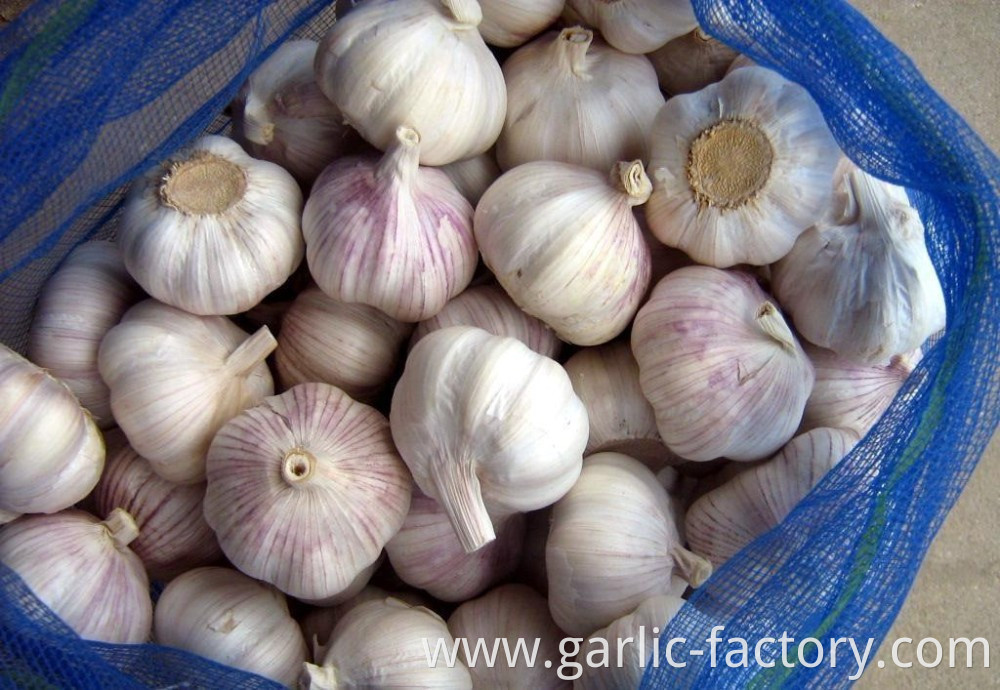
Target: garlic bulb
(564, 244)
(352, 346)
(488, 307)
(389, 233)
(723, 521)
(573, 98)
(175, 378)
(78, 304)
(513, 613)
(488, 427)
(173, 536)
(722, 370)
(613, 544)
(212, 230)
(510, 23)
(691, 62)
(305, 489)
(318, 623)
(51, 452)
(385, 644)
(637, 26)
(83, 570)
(225, 616)
(6, 516)
(740, 169)
(419, 63)
(427, 554)
(473, 176)
(880, 295)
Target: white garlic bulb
(352, 346)
(487, 427)
(318, 623)
(510, 23)
(563, 242)
(212, 230)
(78, 304)
(390, 233)
(724, 373)
(384, 644)
(473, 176)
(488, 307)
(723, 521)
(83, 570)
(175, 378)
(51, 452)
(636, 26)
(305, 489)
(691, 62)
(573, 98)
(740, 169)
(224, 615)
(512, 613)
(613, 544)
(419, 63)
(427, 554)
(861, 282)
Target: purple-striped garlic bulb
(390, 233)
(473, 176)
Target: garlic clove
(691, 62)
(636, 26)
(510, 23)
(473, 176)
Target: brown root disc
(204, 184)
(729, 163)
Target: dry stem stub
(729, 163)
(297, 465)
(204, 184)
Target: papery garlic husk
(280, 114)
(351, 346)
(173, 535)
(573, 98)
(637, 26)
(390, 233)
(318, 623)
(385, 644)
(563, 242)
(7, 516)
(726, 519)
(487, 427)
(78, 304)
(490, 308)
(212, 230)
(473, 176)
(510, 23)
(51, 452)
(224, 615)
(427, 554)
(519, 615)
(419, 63)
(861, 282)
(720, 366)
(691, 62)
(613, 544)
(740, 169)
(175, 378)
(305, 489)
(636, 635)
(83, 570)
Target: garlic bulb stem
(459, 492)
(257, 126)
(692, 567)
(770, 321)
(630, 178)
(319, 677)
(251, 352)
(573, 46)
(298, 466)
(402, 159)
(121, 527)
(464, 11)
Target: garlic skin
(473, 176)
(318, 624)
(487, 427)
(740, 169)
(881, 295)
(572, 98)
(488, 307)
(720, 366)
(175, 378)
(212, 230)
(173, 535)
(419, 63)
(227, 617)
(78, 304)
(726, 519)
(51, 452)
(427, 554)
(305, 489)
(691, 62)
(511, 612)
(563, 242)
(389, 233)
(351, 346)
(613, 544)
(510, 23)
(83, 570)
(636, 26)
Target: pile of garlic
(560, 439)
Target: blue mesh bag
(93, 92)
